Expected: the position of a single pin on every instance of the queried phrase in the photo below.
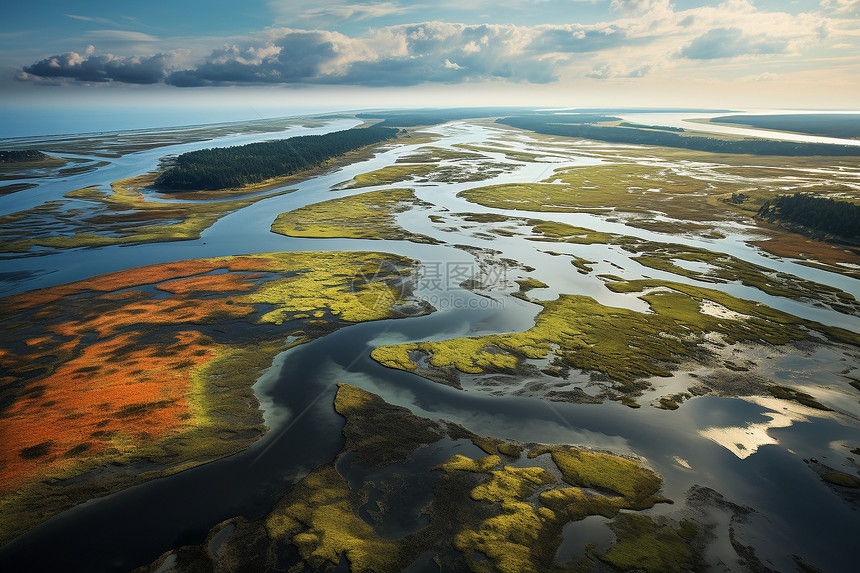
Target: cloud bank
(93, 68)
(645, 36)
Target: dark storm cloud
(104, 68)
(731, 43)
(296, 57)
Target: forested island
(21, 156)
(571, 126)
(229, 167)
(844, 125)
(819, 213)
(658, 127)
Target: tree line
(845, 125)
(819, 213)
(565, 126)
(21, 156)
(226, 167)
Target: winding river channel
(794, 508)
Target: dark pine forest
(226, 167)
(819, 213)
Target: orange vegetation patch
(101, 373)
(111, 282)
(124, 295)
(213, 283)
(796, 246)
(147, 275)
(151, 274)
(113, 397)
(148, 313)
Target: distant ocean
(35, 121)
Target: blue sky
(750, 53)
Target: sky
(267, 54)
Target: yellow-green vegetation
(625, 345)
(122, 217)
(320, 515)
(484, 516)
(583, 266)
(467, 464)
(427, 172)
(483, 217)
(512, 450)
(842, 479)
(391, 174)
(363, 216)
(628, 187)
(525, 534)
(418, 137)
(636, 484)
(528, 284)
(673, 402)
(468, 355)
(724, 268)
(555, 232)
(604, 484)
(644, 545)
(674, 227)
(432, 154)
(508, 152)
(785, 393)
(320, 518)
(687, 186)
(354, 287)
(511, 482)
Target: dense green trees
(820, 213)
(846, 125)
(221, 168)
(568, 126)
(21, 156)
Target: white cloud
(722, 43)
(641, 6)
(645, 37)
(92, 68)
(844, 8)
(615, 71)
(91, 19)
(100, 36)
(762, 77)
(328, 12)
